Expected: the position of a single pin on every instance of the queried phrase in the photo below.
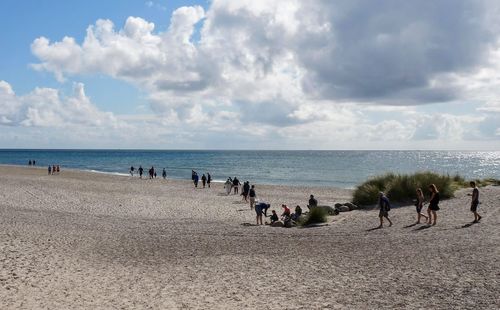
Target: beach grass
(315, 216)
(401, 187)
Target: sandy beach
(83, 240)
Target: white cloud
(301, 73)
(45, 107)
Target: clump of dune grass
(401, 187)
(315, 216)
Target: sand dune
(91, 241)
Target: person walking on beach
(236, 185)
(164, 173)
(53, 169)
(132, 170)
(228, 185)
(195, 181)
(204, 180)
(58, 169)
(385, 207)
(419, 204)
(475, 202)
(50, 169)
(252, 196)
(433, 205)
(29, 163)
(193, 173)
(209, 179)
(245, 190)
(141, 170)
(34, 162)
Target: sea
(344, 169)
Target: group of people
(54, 169)
(233, 185)
(31, 162)
(432, 208)
(205, 179)
(152, 172)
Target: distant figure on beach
(419, 204)
(132, 170)
(236, 185)
(58, 169)
(141, 170)
(209, 179)
(252, 196)
(313, 203)
(475, 202)
(29, 163)
(433, 204)
(245, 190)
(196, 179)
(164, 173)
(385, 207)
(228, 185)
(53, 169)
(151, 172)
(50, 169)
(192, 175)
(204, 180)
(34, 162)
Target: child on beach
(312, 202)
(475, 202)
(274, 217)
(385, 206)
(419, 204)
(433, 205)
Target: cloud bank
(315, 74)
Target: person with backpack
(385, 207)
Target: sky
(250, 74)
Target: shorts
(258, 209)
(473, 206)
(383, 213)
(434, 207)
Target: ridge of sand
(81, 240)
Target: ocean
(344, 169)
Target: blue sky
(250, 74)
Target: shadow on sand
(249, 224)
(467, 225)
(423, 227)
(411, 225)
(374, 228)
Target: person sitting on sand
(433, 205)
(385, 206)
(312, 202)
(475, 202)
(274, 217)
(297, 214)
(285, 216)
(419, 204)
